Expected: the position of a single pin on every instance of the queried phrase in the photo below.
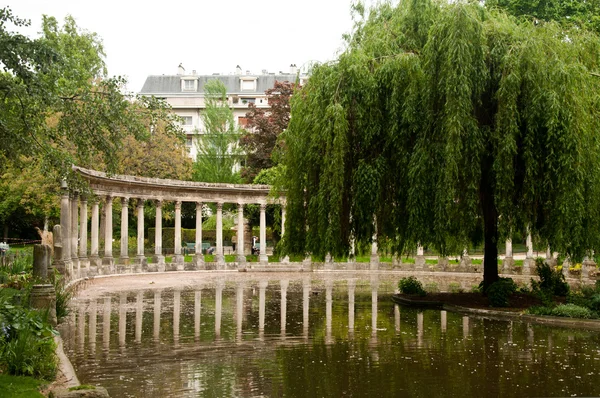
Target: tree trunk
(490, 225)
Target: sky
(209, 36)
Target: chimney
(180, 70)
(194, 72)
(238, 70)
(293, 69)
(265, 72)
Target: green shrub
(455, 288)
(551, 281)
(63, 297)
(432, 287)
(411, 285)
(539, 310)
(499, 292)
(573, 311)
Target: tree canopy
(448, 124)
(219, 154)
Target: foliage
(63, 296)
(19, 387)
(26, 343)
(499, 292)
(218, 144)
(431, 287)
(411, 285)
(551, 281)
(454, 287)
(573, 311)
(448, 124)
(264, 127)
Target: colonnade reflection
(223, 310)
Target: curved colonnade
(73, 259)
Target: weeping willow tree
(448, 124)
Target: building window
(248, 84)
(189, 141)
(248, 100)
(187, 120)
(188, 85)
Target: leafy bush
(539, 310)
(432, 287)
(26, 343)
(499, 292)
(573, 311)
(411, 285)
(551, 281)
(63, 297)
(455, 288)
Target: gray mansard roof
(171, 84)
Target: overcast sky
(144, 38)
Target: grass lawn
(19, 386)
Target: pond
(327, 335)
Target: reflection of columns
(80, 328)
(397, 318)
(241, 258)
(124, 257)
(74, 233)
(197, 307)
(122, 318)
(157, 309)
(107, 260)
(140, 258)
(159, 259)
(220, 260)
(83, 259)
(176, 314)
(374, 287)
(261, 305)
(239, 310)
(305, 305)
(284, 283)
(328, 310)
(420, 328)
(106, 323)
(199, 256)
(465, 320)
(263, 234)
(65, 228)
(218, 307)
(92, 325)
(351, 287)
(94, 258)
(443, 320)
(139, 313)
(178, 258)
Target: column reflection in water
(157, 309)
(397, 318)
(328, 310)
(510, 332)
(305, 305)
(92, 325)
(284, 283)
(530, 336)
(262, 287)
(176, 315)
(218, 307)
(374, 288)
(239, 310)
(139, 312)
(419, 328)
(197, 307)
(81, 328)
(106, 323)
(465, 327)
(351, 288)
(122, 318)
(443, 320)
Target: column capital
(124, 201)
(178, 204)
(240, 206)
(219, 205)
(140, 202)
(158, 203)
(199, 204)
(263, 206)
(74, 194)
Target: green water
(227, 339)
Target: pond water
(312, 336)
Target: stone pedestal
(43, 297)
(507, 265)
(528, 266)
(307, 263)
(159, 260)
(108, 264)
(179, 262)
(139, 264)
(41, 260)
(198, 261)
(565, 267)
(420, 263)
(328, 262)
(465, 263)
(443, 263)
(587, 267)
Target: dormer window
(189, 84)
(248, 83)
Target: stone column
(107, 260)
(74, 234)
(219, 259)
(178, 259)
(124, 257)
(374, 262)
(199, 256)
(508, 261)
(65, 226)
(352, 254)
(263, 235)
(140, 258)
(465, 261)
(83, 228)
(420, 259)
(529, 262)
(159, 259)
(241, 258)
(550, 260)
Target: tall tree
(219, 155)
(449, 125)
(264, 127)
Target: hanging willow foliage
(450, 124)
